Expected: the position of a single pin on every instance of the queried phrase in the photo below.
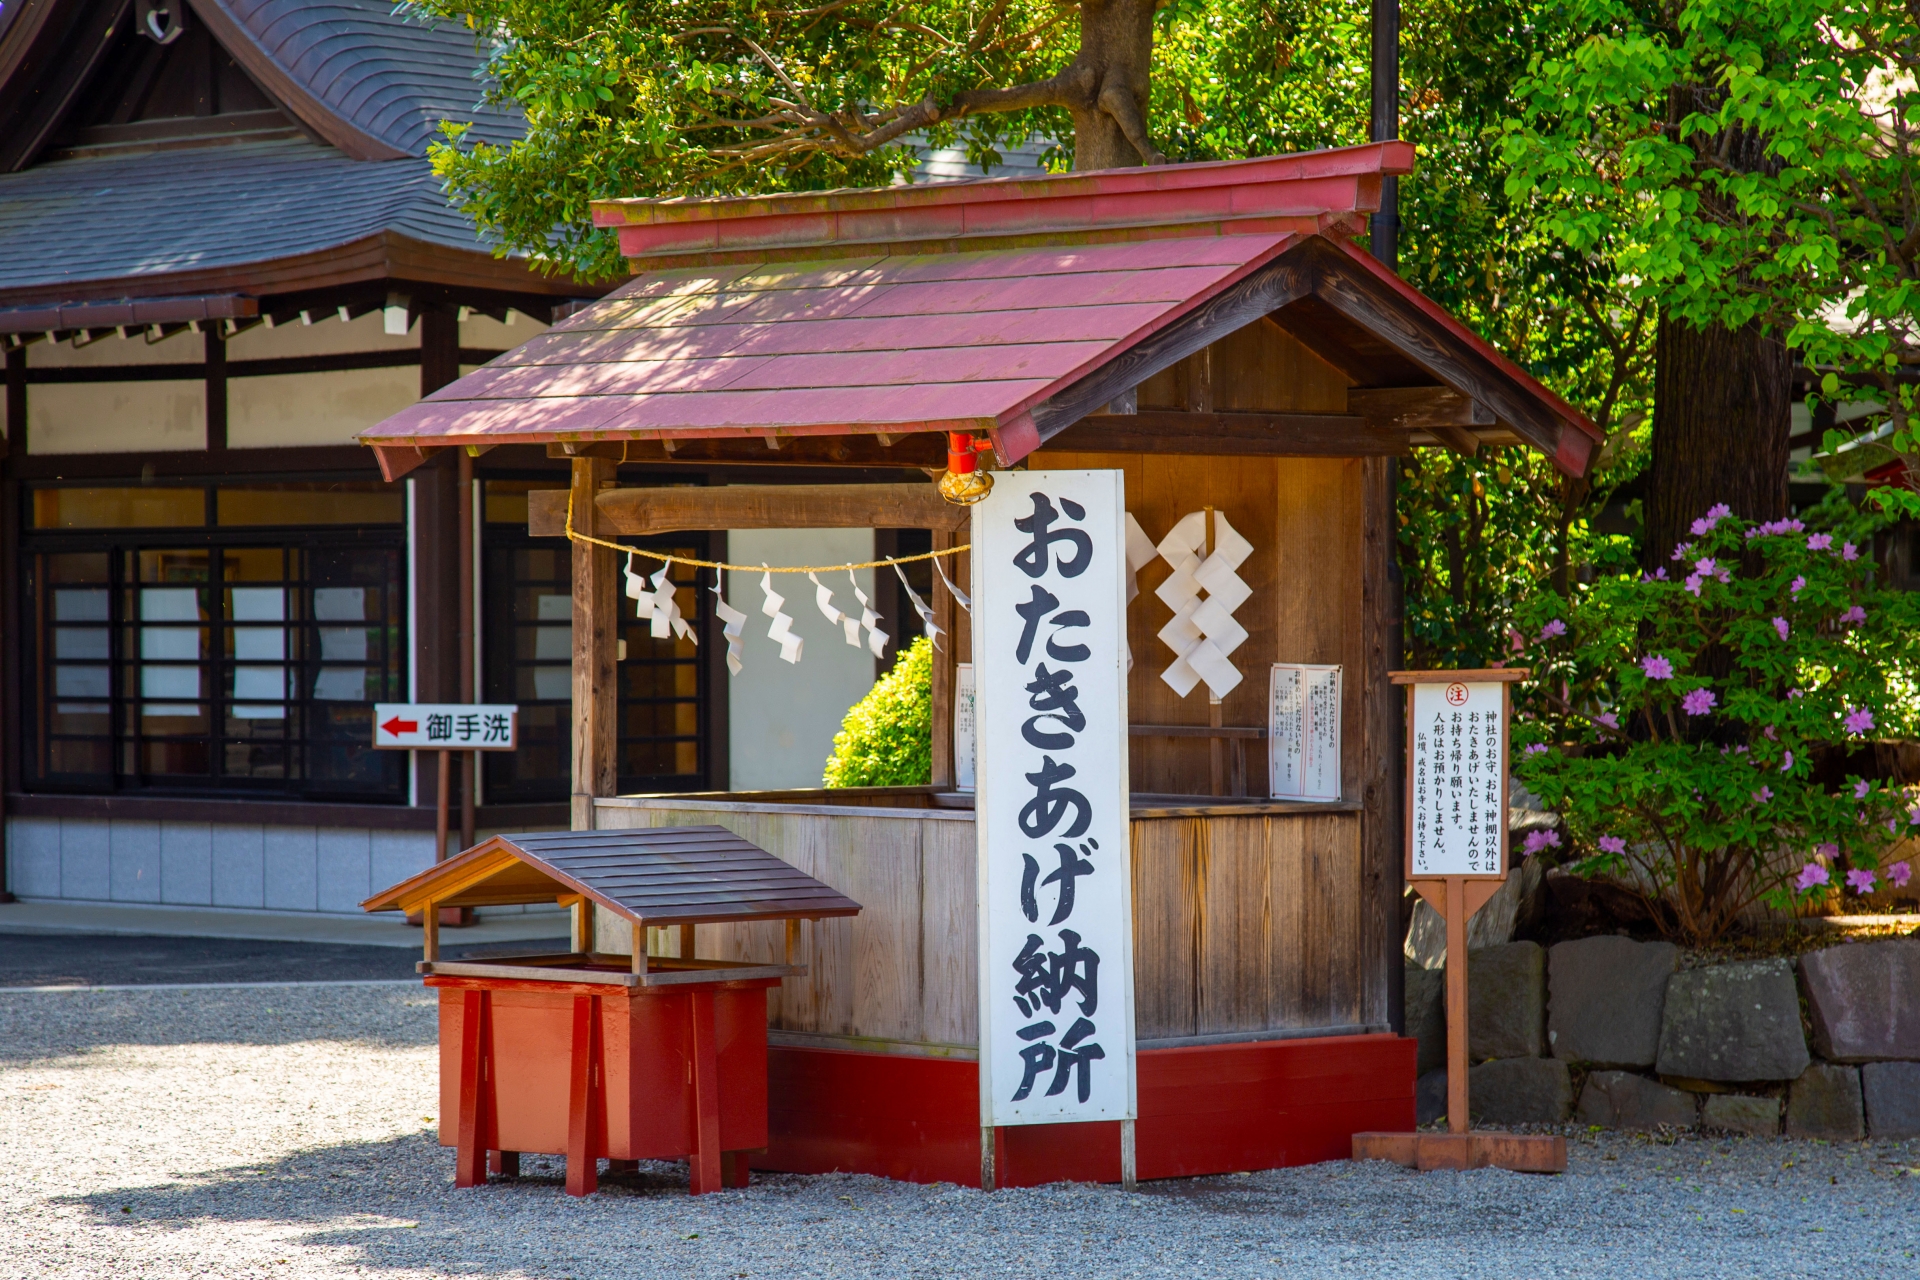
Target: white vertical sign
(1050, 733)
(963, 726)
(1457, 777)
(1303, 732)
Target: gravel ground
(115, 959)
(289, 1133)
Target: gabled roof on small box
(650, 875)
(1013, 306)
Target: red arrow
(397, 726)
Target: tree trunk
(1111, 80)
(1722, 412)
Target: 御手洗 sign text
(1050, 733)
(447, 726)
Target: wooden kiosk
(1209, 330)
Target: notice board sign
(1457, 758)
(1050, 737)
(963, 726)
(453, 726)
(1303, 732)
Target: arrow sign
(447, 726)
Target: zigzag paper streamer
(1140, 554)
(643, 600)
(823, 599)
(666, 611)
(920, 606)
(1202, 634)
(781, 629)
(734, 620)
(959, 597)
(876, 638)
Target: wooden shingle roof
(649, 875)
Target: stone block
(1623, 1100)
(1861, 997)
(1604, 1000)
(399, 855)
(345, 877)
(84, 859)
(291, 859)
(1506, 1001)
(33, 857)
(186, 863)
(1425, 1004)
(133, 859)
(1430, 1097)
(1825, 1103)
(1520, 1091)
(1732, 1023)
(1892, 1094)
(1738, 1113)
(239, 866)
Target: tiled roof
(390, 75)
(160, 212)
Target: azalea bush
(1706, 731)
(887, 738)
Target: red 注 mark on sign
(397, 726)
(1456, 695)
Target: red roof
(964, 307)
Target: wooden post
(469, 761)
(989, 1144)
(686, 941)
(703, 1168)
(639, 948)
(215, 348)
(1457, 1004)
(793, 940)
(583, 1159)
(430, 932)
(475, 1121)
(595, 669)
(1129, 1176)
(440, 809)
(944, 658)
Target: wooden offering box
(612, 1048)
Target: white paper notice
(1459, 779)
(1303, 732)
(963, 726)
(1050, 717)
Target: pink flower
(1698, 702)
(1609, 719)
(1860, 881)
(1795, 693)
(1810, 875)
(1517, 640)
(1763, 795)
(1786, 765)
(1612, 844)
(1704, 565)
(1899, 873)
(1826, 849)
(1860, 790)
(1770, 734)
(1552, 629)
(1719, 511)
(1858, 721)
(1849, 552)
(1700, 527)
(1799, 584)
(1538, 840)
(1535, 749)
(1657, 667)
(1819, 541)
(1780, 625)
(1693, 583)
(1682, 551)
(1661, 573)
(1913, 817)
(1854, 615)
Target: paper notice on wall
(963, 726)
(1303, 732)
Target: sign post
(1051, 803)
(446, 727)
(1458, 754)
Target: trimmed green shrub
(887, 737)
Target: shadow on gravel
(39, 1025)
(394, 1205)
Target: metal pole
(468, 762)
(440, 810)
(1383, 228)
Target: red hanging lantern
(964, 482)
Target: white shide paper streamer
(734, 620)
(781, 629)
(1203, 633)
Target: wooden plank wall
(1242, 925)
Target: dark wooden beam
(16, 419)
(596, 597)
(1418, 408)
(1268, 289)
(215, 347)
(637, 511)
(917, 450)
(271, 367)
(1253, 434)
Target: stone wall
(1612, 1032)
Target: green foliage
(1742, 161)
(887, 738)
(1704, 731)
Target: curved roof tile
(386, 77)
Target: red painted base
(1207, 1109)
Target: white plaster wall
(314, 408)
(184, 347)
(781, 719)
(115, 417)
(491, 335)
(329, 870)
(326, 336)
